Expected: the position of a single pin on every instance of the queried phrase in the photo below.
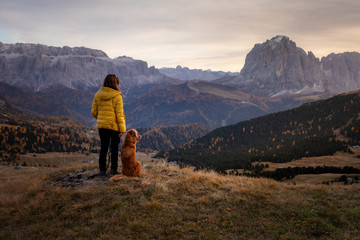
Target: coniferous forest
(22, 133)
(169, 137)
(313, 129)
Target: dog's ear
(132, 133)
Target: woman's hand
(121, 134)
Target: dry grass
(42, 164)
(56, 159)
(13, 191)
(172, 203)
(339, 159)
(314, 179)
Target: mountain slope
(169, 137)
(22, 132)
(79, 101)
(55, 101)
(310, 130)
(211, 104)
(208, 103)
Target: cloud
(192, 33)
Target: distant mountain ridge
(275, 67)
(37, 67)
(277, 75)
(184, 73)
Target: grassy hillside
(314, 129)
(172, 203)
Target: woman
(108, 110)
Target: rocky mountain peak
(279, 41)
(278, 65)
(279, 38)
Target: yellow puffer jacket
(108, 109)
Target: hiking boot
(113, 172)
(102, 174)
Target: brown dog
(130, 167)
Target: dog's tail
(117, 177)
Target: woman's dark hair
(112, 81)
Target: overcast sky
(202, 34)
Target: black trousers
(107, 136)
